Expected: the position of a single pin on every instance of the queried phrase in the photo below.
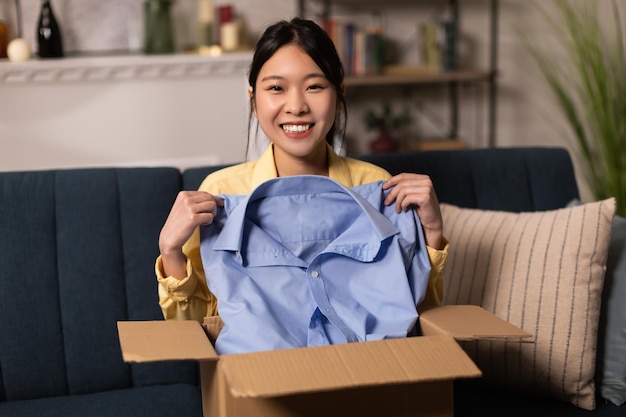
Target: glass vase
(158, 30)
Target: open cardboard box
(396, 377)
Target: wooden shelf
(387, 3)
(361, 4)
(434, 144)
(418, 78)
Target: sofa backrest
(77, 252)
(509, 179)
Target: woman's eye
(316, 87)
(274, 88)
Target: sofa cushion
(542, 271)
(611, 357)
(472, 399)
(155, 401)
(78, 250)
(613, 337)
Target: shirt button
(314, 274)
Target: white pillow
(542, 271)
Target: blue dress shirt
(305, 261)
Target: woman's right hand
(190, 210)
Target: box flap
(315, 369)
(150, 341)
(213, 325)
(469, 322)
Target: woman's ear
(251, 98)
(339, 103)
(339, 108)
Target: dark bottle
(158, 30)
(4, 39)
(49, 41)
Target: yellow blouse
(190, 298)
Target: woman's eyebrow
(280, 77)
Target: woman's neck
(313, 164)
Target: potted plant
(590, 88)
(385, 123)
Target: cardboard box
(395, 377)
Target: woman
(297, 95)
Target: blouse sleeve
(188, 298)
(434, 292)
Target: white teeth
(296, 128)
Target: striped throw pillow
(542, 271)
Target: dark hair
(313, 40)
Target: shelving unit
(452, 79)
(422, 78)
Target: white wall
(96, 123)
(148, 121)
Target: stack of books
(361, 49)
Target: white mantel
(123, 67)
(181, 110)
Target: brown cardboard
(397, 361)
(396, 377)
(153, 341)
(469, 322)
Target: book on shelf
(438, 45)
(361, 49)
(429, 46)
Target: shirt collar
(231, 236)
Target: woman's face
(295, 104)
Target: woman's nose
(296, 103)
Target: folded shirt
(305, 261)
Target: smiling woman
(295, 105)
(296, 96)
(313, 59)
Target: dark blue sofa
(77, 251)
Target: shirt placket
(318, 290)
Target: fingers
(418, 196)
(198, 207)
(409, 189)
(416, 190)
(190, 210)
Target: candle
(204, 24)
(230, 35)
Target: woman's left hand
(417, 190)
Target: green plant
(386, 120)
(590, 88)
